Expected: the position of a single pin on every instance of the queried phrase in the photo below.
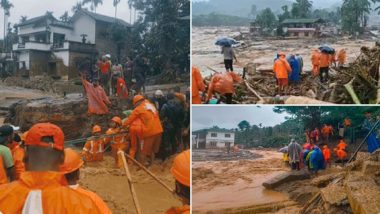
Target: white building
(47, 46)
(213, 138)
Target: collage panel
(285, 159)
(285, 52)
(95, 106)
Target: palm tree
(115, 3)
(6, 5)
(77, 7)
(65, 17)
(94, 3)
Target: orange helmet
(40, 130)
(23, 136)
(96, 129)
(117, 120)
(72, 161)
(137, 98)
(181, 168)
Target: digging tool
(134, 196)
(150, 173)
(361, 144)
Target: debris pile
(356, 83)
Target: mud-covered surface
(221, 155)
(229, 185)
(257, 54)
(111, 184)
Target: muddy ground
(111, 184)
(108, 182)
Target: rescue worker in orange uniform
(42, 188)
(342, 56)
(18, 154)
(197, 85)
(152, 129)
(333, 59)
(327, 131)
(315, 56)
(121, 88)
(324, 64)
(326, 155)
(223, 84)
(71, 169)
(341, 144)
(93, 150)
(135, 133)
(118, 141)
(282, 69)
(181, 172)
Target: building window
(227, 135)
(306, 34)
(295, 34)
(214, 135)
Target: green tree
(115, 3)
(6, 5)
(119, 34)
(244, 125)
(302, 9)
(266, 20)
(164, 30)
(355, 15)
(23, 19)
(94, 4)
(77, 7)
(285, 14)
(65, 17)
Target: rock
(363, 193)
(68, 113)
(334, 195)
(370, 167)
(324, 180)
(286, 177)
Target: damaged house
(302, 28)
(213, 138)
(49, 47)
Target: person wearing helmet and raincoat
(118, 139)
(181, 172)
(93, 149)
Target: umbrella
(283, 149)
(225, 41)
(327, 49)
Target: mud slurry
(234, 185)
(111, 184)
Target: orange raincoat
(324, 60)
(341, 154)
(326, 131)
(49, 187)
(223, 83)
(315, 57)
(341, 145)
(281, 68)
(93, 150)
(197, 85)
(179, 210)
(97, 98)
(326, 154)
(121, 88)
(136, 134)
(119, 142)
(342, 57)
(95, 198)
(3, 173)
(18, 155)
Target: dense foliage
(214, 19)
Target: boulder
(286, 177)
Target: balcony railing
(32, 46)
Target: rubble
(286, 177)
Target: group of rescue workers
(316, 155)
(287, 70)
(38, 175)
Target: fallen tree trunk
(304, 100)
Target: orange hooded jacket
(324, 60)
(223, 83)
(179, 210)
(342, 56)
(3, 173)
(95, 198)
(281, 68)
(18, 155)
(50, 187)
(197, 85)
(326, 154)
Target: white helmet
(158, 93)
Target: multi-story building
(213, 138)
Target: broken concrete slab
(334, 195)
(286, 177)
(363, 193)
(370, 167)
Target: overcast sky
(33, 8)
(230, 116)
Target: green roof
(301, 21)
